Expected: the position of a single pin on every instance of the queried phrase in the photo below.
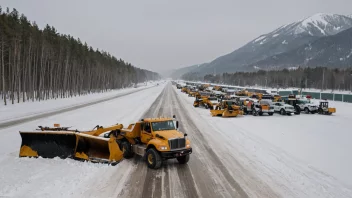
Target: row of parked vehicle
(249, 103)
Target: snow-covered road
(276, 156)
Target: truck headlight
(188, 146)
(163, 148)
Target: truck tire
(206, 106)
(270, 114)
(320, 111)
(306, 110)
(183, 159)
(254, 112)
(298, 110)
(126, 149)
(153, 159)
(282, 112)
(260, 113)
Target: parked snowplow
(227, 108)
(62, 142)
(155, 139)
(325, 109)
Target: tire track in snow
(219, 181)
(139, 174)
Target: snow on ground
(20, 177)
(298, 156)
(28, 108)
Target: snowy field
(299, 155)
(20, 177)
(29, 108)
(266, 156)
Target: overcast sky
(166, 34)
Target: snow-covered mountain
(320, 25)
(329, 51)
(283, 39)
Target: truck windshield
(163, 126)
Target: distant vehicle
(262, 107)
(307, 106)
(325, 109)
(283, 109)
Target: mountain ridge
(283, 39)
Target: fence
(320, 95)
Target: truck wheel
(153, 159)
(313, 112)
(306, 110)
(206, 106)
(270, 114)
(320, 111)
(260, 113)
(282, 112)
(127, 149)
(298, 110)
(183, 159)
(254, 112)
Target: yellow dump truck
(156, 139)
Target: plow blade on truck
(72, 144)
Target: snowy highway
(278, 156)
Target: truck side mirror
(176, 124)
(185, 134)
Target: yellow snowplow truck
(61, 142)
(227, 108)
(200, 98)
(155, 139)
(210, 102)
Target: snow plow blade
(73, 144)
(97, 149)
(48, 144)
(217, 112)
(226, 113)
(231, 113)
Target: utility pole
(322, 83)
